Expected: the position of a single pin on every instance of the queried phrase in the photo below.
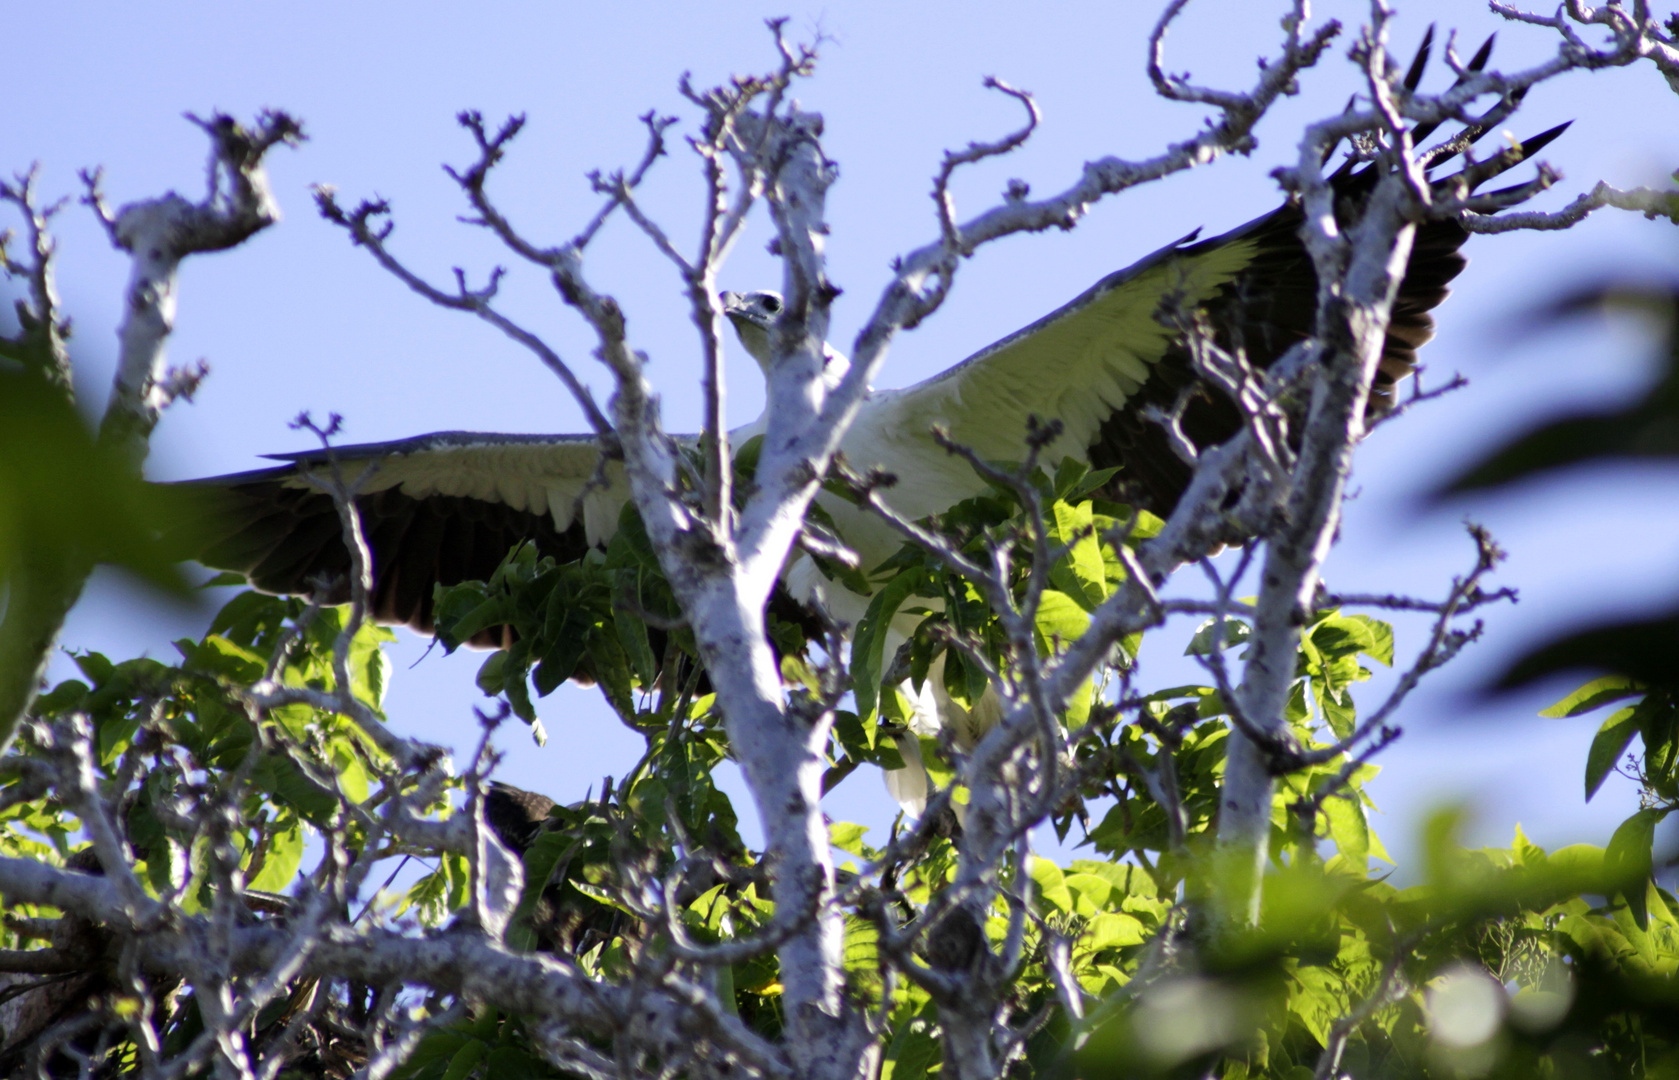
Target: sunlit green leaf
(1628, 861)
(913, 1050)
(1349, 829)
(283, 856)
(1594, 695)
(1081, 574)
(1113, 930)
(847, 836)
(1050, 885)
(1061, 620)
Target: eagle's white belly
(929, 481)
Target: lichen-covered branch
(159, 233)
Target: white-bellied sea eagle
(447, 507)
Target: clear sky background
(298, 319)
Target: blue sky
(297, 319)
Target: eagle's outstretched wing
(436, 510)
(1098, 362)
(444, 508)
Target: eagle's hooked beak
(753, 315)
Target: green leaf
(1297, 711)
(67, 500)
(1091, 892)
(1206, 636)
(1627, 860)
(1127, 879)
(492, 673)
(847, 836)
(1061, 620)
(1317, 997)
(868, 645)
(632, 632)
(566, 636)
(284, 855)
(1381, 635)
(1087, 485)
(1051, 885)
(1113, 930)
(1336, 708)
(1594, 695)
(912, 1051)
(1078, 704)
(519, 697)
(965, 682)
(218, 656)
(861, 950)
(1067, 476)
(1608, 745)
(466, 1060)
(1349, 829)
(1339, 635)
(863, 742)
(1199, 693)
(1081, 573)
(465, 610)
(370, 668)
(280, 776)
(352, 774)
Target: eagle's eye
(772, 304)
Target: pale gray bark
(157, 234)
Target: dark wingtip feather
(1538, 142)
(1419, 63)
(1483, 54)
(1476, 63)
(1525, 150)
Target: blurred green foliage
(64, 496)
(1643, 649)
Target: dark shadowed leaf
(64, 496)
(1649, 428)
(1607, 747)
(868, 647)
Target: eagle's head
(754, 314)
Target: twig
(369, 227)
(40, 316)
(1390, 985)
(1646, 201)
(975, 153)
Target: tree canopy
(234, 862)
